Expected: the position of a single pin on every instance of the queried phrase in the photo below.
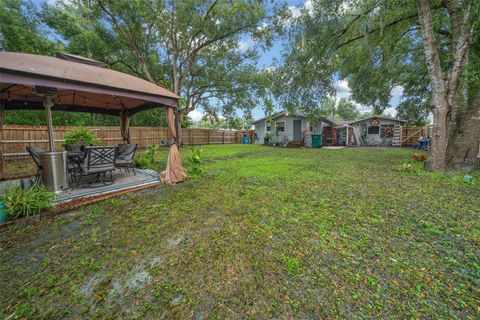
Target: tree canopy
(193, 48)
(379, 46)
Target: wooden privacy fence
(410, 135)
(17, 137)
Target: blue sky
(268, 57)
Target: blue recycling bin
(245, 139)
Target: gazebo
(76, 84)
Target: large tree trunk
(463, 146)
(440, 107)
(437, 161)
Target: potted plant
(80, 137)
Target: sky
(274, 53)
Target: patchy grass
(264, 233)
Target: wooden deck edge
(70, 205)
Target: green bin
(317, 140)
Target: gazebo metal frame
(77, 84)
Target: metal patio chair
(124, 157)
(98, 161)
(75, 156)
(35, 154)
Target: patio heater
(54, 163)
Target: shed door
(297, 130)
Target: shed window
(269, 127)
(374, 130)
(280, 126)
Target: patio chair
(124, 157)
(35, 154)
(98, 161)
(75, 156)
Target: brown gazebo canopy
(77, 84)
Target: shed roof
(376, 117)
(288, 114)
(80, 86)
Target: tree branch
(462, 43)
(432, 58)
(391, 24)
(128, 35)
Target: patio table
(75, 157)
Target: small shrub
(151, 153)
(195, 159)
(148, 159)
(81, 135)
(267, 138)
(142, 162)
(26, 202)
(407, 167)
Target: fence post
(223, 137)
(190, 135)
(208, 136)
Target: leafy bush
(142, 162)
(151, 153)
(195, 159)
(81, 135)
(26, 202)
(148, 159)
(407, 167)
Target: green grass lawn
(264, 233)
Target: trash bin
(55, 171)
(317, 140)
(3, 212)
(245, 139)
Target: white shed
(288, 128)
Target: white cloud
(397, 91)
(245, 44)
(296, 11)
(269, 69)
(391, 111)
(308, 6)
(262, 26)
(56, 2)
(342, 89)
(195, 115)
